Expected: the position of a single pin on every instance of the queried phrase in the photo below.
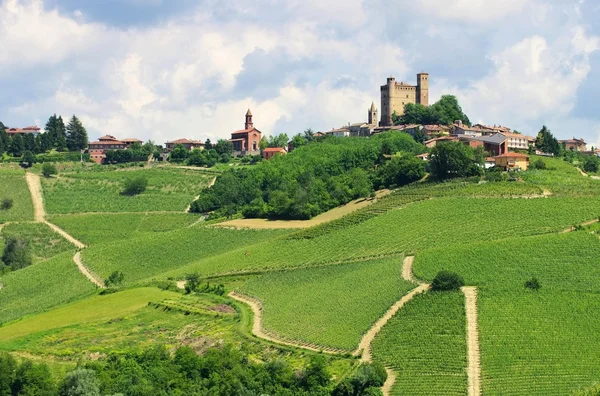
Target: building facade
(246, 141)
(187, 143)
(98, 149)
(517, 141)
(34, 130)
(574, 144)
(394, 96)
(271, 152)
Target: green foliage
(546, 142)
(49, 169)
(495, 174)
(591, 164)
(80, 382)
(280, 140)
(13, 187)
(538, 163)
(57, 133)
(445, 280)
(16, 146)
(28, 159)
(135, 185)
(445, 111)
(7, 203)
(453, 159)
(192, 283)
(400, 171)
(425, 345)
(76, 135)
(115, 279)
(333, 306)
(366, 381)
(42, 241)
(17, 254)
(533, 284)
(32, 379)
(178, 154)
(224, 147)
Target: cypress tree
(76, 135)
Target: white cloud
(478, 11)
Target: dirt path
(210, 184)
(35, 188)
(64, 234)
(85, 271)
(386, 389)
(585, 223)
(474, 365)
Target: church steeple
(249, 123)
(372, 114)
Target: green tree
(16, 146)
(29, 143)
(80, 382)
(298, 141)
(135, 185)
(445, 111)
(546, 142)
(192, 283)
(115, 279)
(44, 142)
(264, 143)
(4, 139)
(178, 154)
(8, 372)
(57, 132)
(591, 164)
(452, 159)
(400, 171)
(6, 204)
(309, 134)
(76, 135)
(17, 254)
(445, 280)
(33, 380)
(280, 140)
(28, 158)
(208, 145)
(224, 147)
(49, 169)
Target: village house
(246, 141)
(460, 129)
(516, 141)
(34, 130)
(494, 144)
(574, 144)
(512, 161)
(186, 143)
(431, 143)
(434, 131)
(129, 141)
(98, 149)
(271, 152)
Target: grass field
(534, 343)
(425, 344)
(100, 191)
(43, 242)
(14, 186)
(418, 226)
(329, 306)
(152, 255)
(93, 229)
(42, 286)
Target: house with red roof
(271, 152)
(246, 141)
(512, 161)
(98, 148)
(187, 143)
(34, 130)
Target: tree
(8, 372)
(224, 147)
(16, 146)
(49, 169)
(135, 185)
(591, 164)
(546, 142)
(29, 143)
(80, 382)
(76, 135)
(192, 283)
(452, 159)
(33, 379)
(178, 154)
(115, 279)
(400, 171)
(309, 134)
(445, 280)
(538, 164)
(57, 133)
(4, 139)
(6, 204)
(280, 140)
(208, 145)
(17, 254)
(445, 111)
(44, 142)
(533, 284)
(298, 141)
(264, 143)
(28, 159)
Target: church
(246, 141)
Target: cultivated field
(13, 186)
(43, 242)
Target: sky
(169, 69)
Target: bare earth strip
(474, 365)
(35, 188)
(85, 271)
(333, 214)
(63, 233)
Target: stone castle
(395, 95)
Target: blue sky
(165, 69)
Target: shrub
(49, 169)
(533, 284)
(591, 164)
(17, 254)
(496, 175)
(80, 382)
(192, 283)
(446, 280)
(7, 203)
(539, 164)
(28, 159)
(135, 185)
(115, 279)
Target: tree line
(155, 371)
(57, 136)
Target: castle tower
(372, 114)
(423, 89)
(387, 108)
(249, 123)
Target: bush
(401, 171)
(7, 203)
(115, 279)
(17, 254)
(28, 159)
(538, 164)
(533, 284)
(496, 175)
(49, 169)
(446, 280)
(80, 382)
(591, 164)
(135, 185)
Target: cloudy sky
(165, 69)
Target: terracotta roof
(107, 137)
(274, 150)
(107, 142)
(516, 135)
(574, 141)
(442, 138)
(246, 131)
(131, 140)
(186, 141)
(28, 129)
(512, 155)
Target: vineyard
(100, 191)
(425, 344)
(94, 229)
(328, 306)
(13, 186)
(532, 342)
(43, 242)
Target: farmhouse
(187, 143)
(517, 141)
(34, 130)
(99, 148)
(271, 152)
(246, 141)
(574, 144)
(512, 161)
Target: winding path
(35, 188)
(473, 357)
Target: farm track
(473, 356)
(586, 175)
(35, 188)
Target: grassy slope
(152, 255)
(425, 344)
(42, 286)
(543, 342)
(99, 191)
(94, 229)
(13, 185)
(44, 242)
(419, 226)
(330, 306)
